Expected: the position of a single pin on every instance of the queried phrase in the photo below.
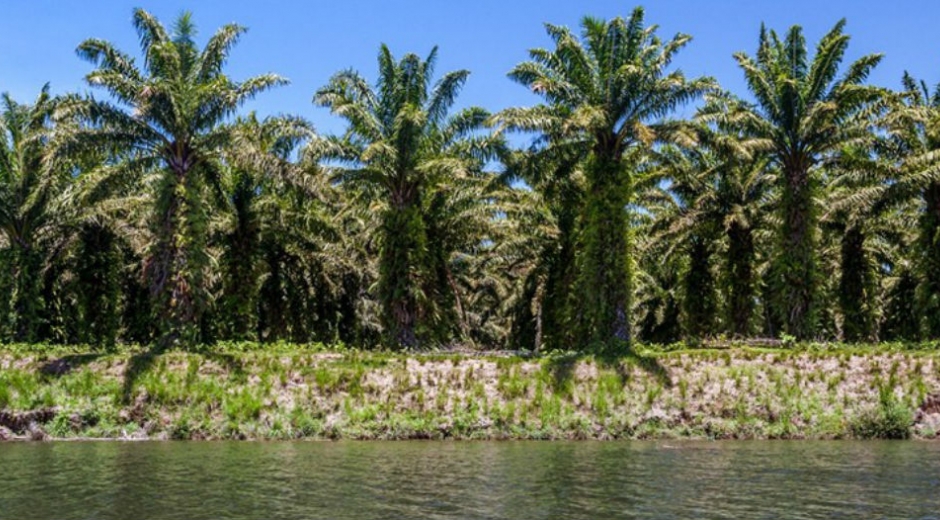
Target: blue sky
(307, 41)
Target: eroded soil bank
(293, 393)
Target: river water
(511, 480)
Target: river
(504, 480)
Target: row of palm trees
(158, 213)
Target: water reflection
(510, 480)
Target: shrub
(891, 419)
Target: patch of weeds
(833, 382)
(440, 402)
(683, 389)
(304, 424)
(6, 393)
(511, 385)
(242, 405)
(599, 403)
(362, 414)
(181, 428)
(325, 378)
(652, 393)
(891, 419)
(60, 426)
(550, 411)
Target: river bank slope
(311, 392)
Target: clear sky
(309, 40)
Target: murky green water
(511, 480)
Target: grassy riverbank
(291, 392)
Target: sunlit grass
(241, 392)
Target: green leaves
(405, 152)
(789, 209)
(606, 96)
(32, 190)
(172, 118)
(806, 117)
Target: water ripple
(445, 480)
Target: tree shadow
(561, 369)
(66, 364)
(621, 362)
(137, 365)
(231, 363)
(140, 363)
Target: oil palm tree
(30, 190)
(688, 221)
(735, 199)
(544, 249)
(261, 184)
(914, 146)
(401, 141)
(856, 213)
(804, 114)
(170, 119)
(606, 94)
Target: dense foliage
(808, 207)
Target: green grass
(243, 391)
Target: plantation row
(156, 212)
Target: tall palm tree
(606, 93)
(804, 114)
(545, 247)
(171, 118)
(401, 141)
(30, 187)
(742, 199)
(855, 211)
(735, 198)
(689, 222)
(259, 183)
(914, 128)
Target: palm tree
(857, 214)
(899, 306)
(658, 303)
(742, 199)
(170, 118)
(464, 228)
(544, 248)
(30, 187)
(914, 144)
(689, 221)
(605, 96)
(259, 183)
(804, 114)
(735, 199)
(401, 141)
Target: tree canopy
(158, 210)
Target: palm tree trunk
(901, 319)
(273, 311)
(699, 302)
(556, 303)
(400, 262)
(854, 283)
(239, 301)
(796, 261)
(929, 291)
(27, 300)
(740, 264)
(461, 314)
(179, 259)
(7, 281)
(604, 278)
(98, 284)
